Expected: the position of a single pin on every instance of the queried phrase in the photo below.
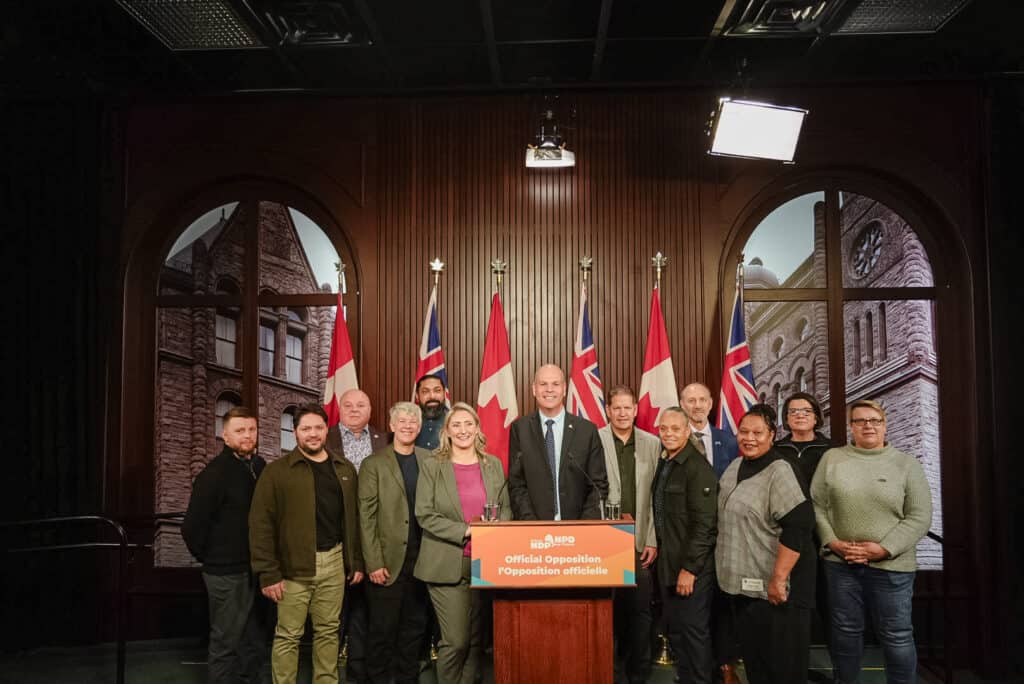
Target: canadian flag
(496, 402)
(341, 373)
(658, 384)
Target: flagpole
(436, 267)
(339, 266)
(498, 268)
(739, 273)
(658, 262)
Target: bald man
(719, 446)
(556, 465)
(355, 440)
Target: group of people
(732, 546)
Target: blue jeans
(886, 597)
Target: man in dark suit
(685, 501)
(556, 461)
(719, 446)
(355, 440)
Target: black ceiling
(53, 47)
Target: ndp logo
(552, 540)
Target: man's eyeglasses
(861, 422)
(800, 411)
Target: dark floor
(184, 662)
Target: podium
(552, 586)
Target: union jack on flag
(738, 393)
(431, 358)
(586, 394)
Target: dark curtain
(1005, 252)
(59, 275)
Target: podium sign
(538, 555)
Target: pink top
(469, 480)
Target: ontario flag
(341, 373)
(431, 360)
(496, 403)
(586, 394)
(658, 383)
(738, 393)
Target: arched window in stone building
(245, 311)
(840, 277)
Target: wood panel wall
(453, 184)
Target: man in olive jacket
(391, 544)
(685, 498)
(304, 538)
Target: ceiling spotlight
(755, 130)
(548, 149)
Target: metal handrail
(122, 545)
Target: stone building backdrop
(889, 345)
(199, 373)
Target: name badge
(751, 584)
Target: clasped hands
(860, 553)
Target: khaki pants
(458, 613)
(319, 597)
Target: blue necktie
(549, 444)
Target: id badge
(752, 584)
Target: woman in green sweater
(872, 504)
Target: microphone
(600, 499)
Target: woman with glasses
(803, 447)
(872, 504)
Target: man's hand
(356, 577)
(777, 591)
(648, 555)
(468, 533)
(684, 583)
(380, 576)
(274, 592)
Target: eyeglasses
(861, 422)
(800, 411)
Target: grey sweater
(878, 495)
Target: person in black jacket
(803, 447)
(216, 531)
(805, 444)
(685, 501)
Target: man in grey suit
(631, 458)
(556, 463)
(391, 543)
(355, 439)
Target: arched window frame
(833, 294)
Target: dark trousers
(239, 645)
(774, 640)
(688, 628)
(632, 615)
(398, 621)
(723, 630)
(354, 625)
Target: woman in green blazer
(452, 489)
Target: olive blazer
(439, 512)
(384, 511)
